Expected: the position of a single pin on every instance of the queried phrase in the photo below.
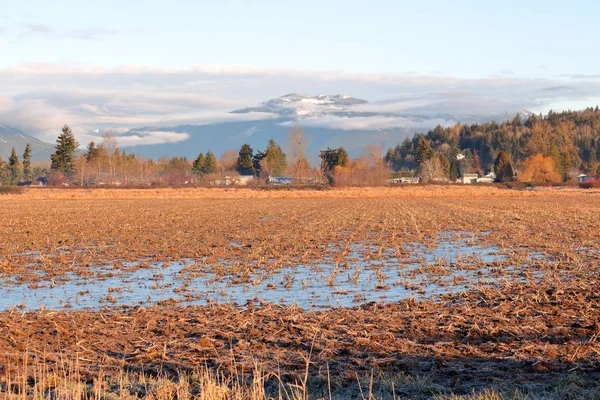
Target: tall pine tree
(210, 163)
(63, 157)
(198, 166)
(245, 164)
(14, 168)
(503, 168)
(476, 164)
(27, 171)
(275, 158)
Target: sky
(124, 64)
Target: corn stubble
(533, 332)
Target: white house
(474, 178)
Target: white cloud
(126, 138)
(51, 32)
(40, 98)
(369, 123)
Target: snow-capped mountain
(329, 121)
(299, 105)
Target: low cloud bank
(40, 98)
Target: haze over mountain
(329, 121)
(11, 137)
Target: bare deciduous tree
(109, 141)
(431, 169)
(228, 162)
(298, 143)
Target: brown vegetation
(535, 324)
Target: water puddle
(453, 262)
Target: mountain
(11, 137)
(298, 105)
(319, 115)
(328, 120)
(231, 135)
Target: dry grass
(432, 191)
(532, 329)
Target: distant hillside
(570, 138)
(11, 137)
(231, 135)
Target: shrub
(11, 190)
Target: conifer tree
(245, 164)
(342, 157)
(4, 174)
(92, 152)
(198, 165)
(476, 164)
(503, 168)
(27, 171)
(444, 164)
(63, 157)
(275, 158)
(423, 153)
(14, 168)
(454, 170)
(210, 163)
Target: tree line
(539, 148)
(552, 147)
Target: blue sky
(458, 38)
(124, 64)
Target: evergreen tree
(503, 168)
(598, 170)
(245, 164)
(198, 166)
(476, 164)
(92, 152)
(257, 161)
(210, 163)
(27, 171)
(342, 157)
(63, 157)
(4, 174)
(454, 170)
(275, 158)
(14, 168)
(565, 165)
(445, 164)
(423, 153)
(330, 158)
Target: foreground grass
(71, 383)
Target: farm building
(468, 178)
(474, 178)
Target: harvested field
(428, 290)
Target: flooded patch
(349, 275)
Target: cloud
(51, 32)
(89, 34)
(138, 138)
(369, 123)
(40, 98)
(35, 29)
